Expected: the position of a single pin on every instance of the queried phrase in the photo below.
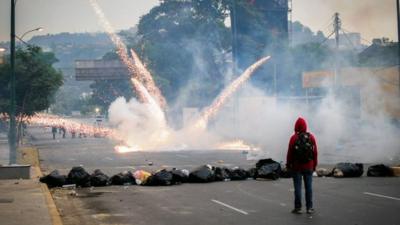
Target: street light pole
(12, 129)
(29, 31)
(398, 40)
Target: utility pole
(12, 129)
(234, 38)
(337, 24)
(398, 40)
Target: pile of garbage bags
(356, 170)
(264, 169)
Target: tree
(36, 82)
(185, 43)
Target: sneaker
(296, 211)
(310, 211)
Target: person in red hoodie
(302, 160)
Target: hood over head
(301, 125)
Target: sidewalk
(25, 201)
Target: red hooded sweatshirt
(301, 126)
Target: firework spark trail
(72, 126)
(142, 75)
(212, 110)
(146, 73)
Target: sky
(372, 18)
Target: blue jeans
(297, 180)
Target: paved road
(360, 201)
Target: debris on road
(396, 171)
(268, 168)
(222, 174)
(141, 176)
(79, 176)
(160, 178)
(123, 178)
(379, 170)
(54, 179)
(348, 170)
(238, 174)
(180, 176)
(322, 172)
(99, 179)
(69, 186)
(202, 174)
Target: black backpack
(303, 148)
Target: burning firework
(236, 145)
(212, 110)
(125, 149)
(72, 126)
(136, 68)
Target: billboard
(86, 70)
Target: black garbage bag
(179, 176)
(239, 174)
(348, 170)
(160, 178)
(268, 168)
(79, 176)
(285, 173)
(202, 174)
(252, 172)
(221, 174)
(379, 170)
(122, 178)
(99, 179)
(54, 179)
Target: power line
(348, 39)
(369, 42)
(327, 38)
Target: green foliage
(36, 81)
(185, 41)
(106, 91)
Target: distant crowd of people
(81, 132)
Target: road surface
(361, 201)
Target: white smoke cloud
(138, 124)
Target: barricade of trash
(264, 169)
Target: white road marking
(382, 196)
(229, 206)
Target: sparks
(236, 145)
(135, 66)
(212, 110)
(125, 149)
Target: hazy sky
(372, 18)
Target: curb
(53, 211)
